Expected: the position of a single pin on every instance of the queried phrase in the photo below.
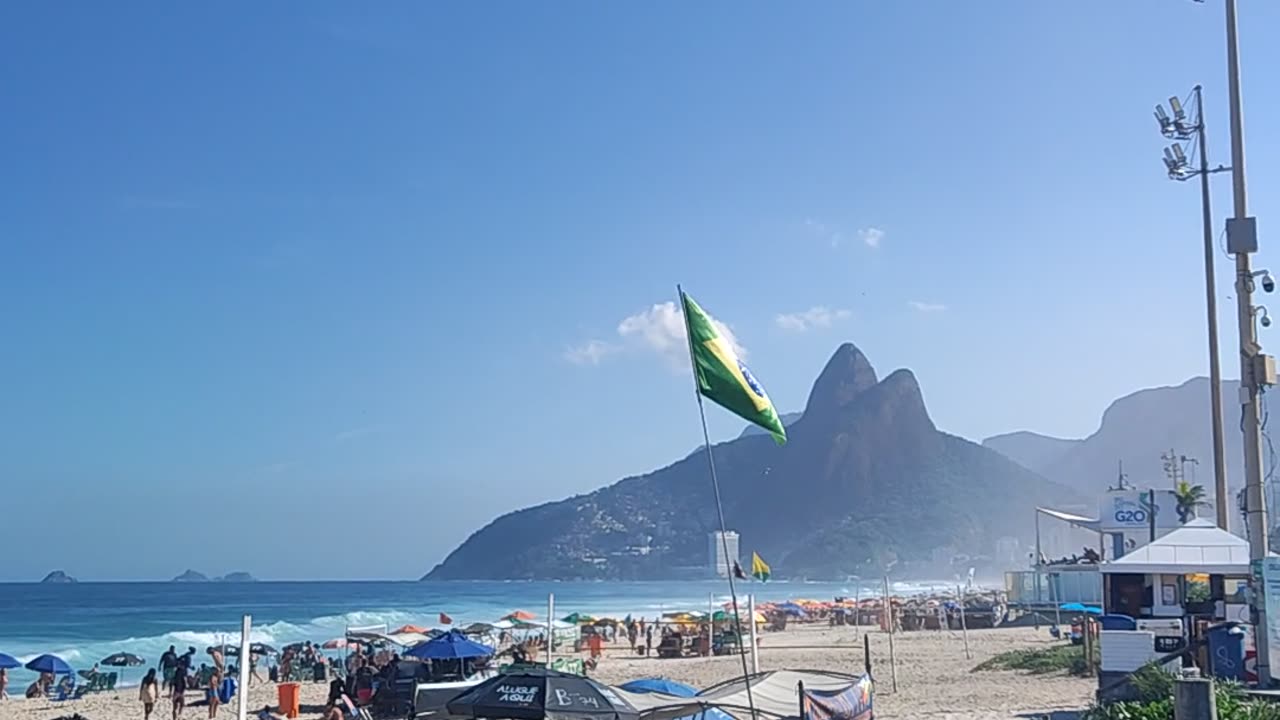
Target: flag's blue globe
(750, 379)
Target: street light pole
(1211, 304)
(1242, 240)
(1176, 127)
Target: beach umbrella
(539, 694)
(122, 659)
(410, 629)
(522, 615)
(453, 645)
(261, 649)
(338, 644)
(8, 662)
(51, 664)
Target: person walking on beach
(178, 690)
(648, 640)
(631, 635)
(253, 668)
(168, 661)
(148, 693)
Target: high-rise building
(716, 561)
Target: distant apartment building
(717, 563)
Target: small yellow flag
(759, 568)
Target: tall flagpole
(715, 486)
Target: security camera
(1268, 283)
(1266, 321)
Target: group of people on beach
(178, 677)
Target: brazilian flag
(723, 378)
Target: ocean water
(83, 623)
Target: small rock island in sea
(191, 576)
(58, 576)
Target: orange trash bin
(290, 695)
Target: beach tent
(8, 662)
(407, 639)
(1197, 547)
(774, 694)
(671, 689)
(520, 615)
(410, 629)
(659, 685)
(450, 646)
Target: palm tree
(1190, 498)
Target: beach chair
(111, 681)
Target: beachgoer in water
(148, 693)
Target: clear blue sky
(273, 272)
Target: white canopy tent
(1197, 547)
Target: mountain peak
(847, 374)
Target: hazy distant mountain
(786, 418)
(191, 576)
(1135, 430)
(1031, 450)
(237, 577)
(58, 577)
(866, 480)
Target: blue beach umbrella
(453, 645)
(49, 664)
(8, 662)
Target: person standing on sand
(168, 661)
(219, 664)
(648, 640)
(215, 681)
(4, 684)
(177, 691)
(148, 693)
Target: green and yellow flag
(723, 378)
(759, 569)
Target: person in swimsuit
(212, 693)
(177, 689)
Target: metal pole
(242, 706)
(1038, 556)
(964, 626)
(893, 660)
(1250, 424)
(711, 621)
(755, 645)
(551, 628)
(1211, 307)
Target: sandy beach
(934, 678)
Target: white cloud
(590, 352)
(926, 307)
(831, 235)
(658, 330)
(871, 236)
(818, 316)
